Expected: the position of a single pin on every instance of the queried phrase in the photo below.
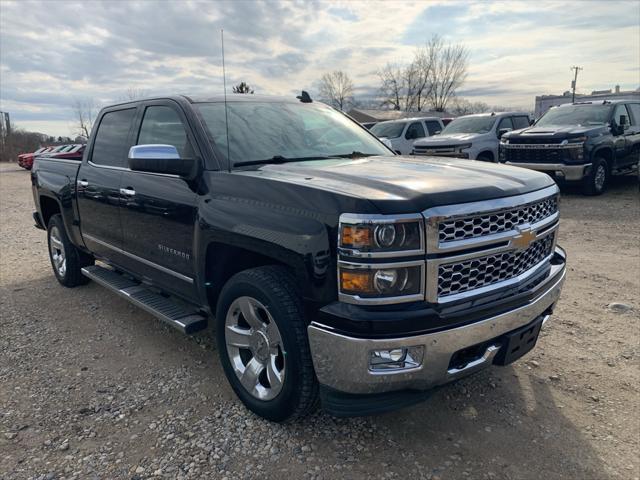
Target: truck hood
(452, 139)
(558, 132)
(396, 184)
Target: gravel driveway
(92, 387)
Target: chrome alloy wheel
(255, 348)
(58, 255)
(600, 177)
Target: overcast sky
(53, 52)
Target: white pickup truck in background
(476, 137)
(399, 135)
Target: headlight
(504, 140)
(577, 140)
(380, 281)
(361, 236)
(395, 275)
(464, 146)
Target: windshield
(470, 125)
(389, 130)
(264, 130)
(576, 115)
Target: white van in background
(400, 134)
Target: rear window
(433, 127)
(110, 146)
(635, 113)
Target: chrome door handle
(129, 192)
(83, 183)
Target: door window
(433, 127)
(505, 123)
(162, 125)
(619, 112)
(635, 113)
(415, 130)
(520, 122)
(110, 145)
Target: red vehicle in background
(25, 160)
(68, 152)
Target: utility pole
(573, 83)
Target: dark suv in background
(583, 142)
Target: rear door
(98, 184)
(159, 210)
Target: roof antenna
(304, 97)
(226, 114)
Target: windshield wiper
(277, 159)
(354, 154)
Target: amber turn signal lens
(356, 236)
(356, 281)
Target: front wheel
(596, 182)
(263, 344)
(66, 260)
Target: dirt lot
(91, 387)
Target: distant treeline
(20, 141)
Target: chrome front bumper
(568, 172)
(342, 362)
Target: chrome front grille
(459, 277)
(476, 248)
(496, 222)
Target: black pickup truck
(336, 272)
(583, 143)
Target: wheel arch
(49, 206)
(606, 153)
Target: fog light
(403, 358)
(559, 173)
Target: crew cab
(583, 143)
(475, 137)
(332, 269)
(399, 135)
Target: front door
(159, 210)
(98, 184)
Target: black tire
(74, 259)
(596, 182)
(485, 157)
(275, 288)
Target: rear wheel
(596, 182)
(263, 345)
(66, 259)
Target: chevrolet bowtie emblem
(525, 238)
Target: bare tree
(461, 106)
(242, 87)
(392, 86)
(134, 93)
(337, 89)
(448, 65)
(85, 113)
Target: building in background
(545, 102)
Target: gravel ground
(91, 387)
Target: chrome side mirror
(159, 159)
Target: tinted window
(576, 115)
(618, 112)
(110, 145)
(479, 124)
(520, 122)
(388, 129)
(505, 123)
(162, 125)
(635, 113)
(262, 130)
(415, 130)
(433, 127)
